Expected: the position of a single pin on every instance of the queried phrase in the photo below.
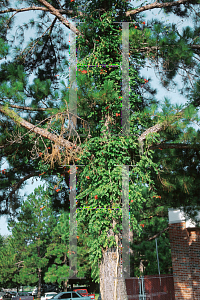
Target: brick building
(185, 251)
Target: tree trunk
(39, 283)
(110, 268)
(65, 285)
(112, 281)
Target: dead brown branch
(39, 131)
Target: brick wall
(185, 251)
(194, 254)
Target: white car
(48, 295)
(70, 296)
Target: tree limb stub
(153, 129)
(39, 131)
(155, 5)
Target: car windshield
(81, 291)
(49, 295)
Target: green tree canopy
(109, 61)
(31, 234)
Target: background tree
(58, 254)
(9, 264)
(31, 234)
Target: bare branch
(61, 11)
(155, 5)
(156, 48)
(195, 47)
(39, 131)
(56, 13)
(29, 108)
(156, 235)
(19, 262)
(4, 146)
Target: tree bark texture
(65, 286)
(112, 283)
(39, 283)
(110, 268)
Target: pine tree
(31, 234)
(9, 264)
(106, 148)
(58, 253)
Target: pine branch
(174, 146)
(156, 48)
(159, 127)
(56, 13)
(19, 183)
(153, 129)
(155, 5)
(50, 28)
(157, 234)
(29, 108)
(39, 131)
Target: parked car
(84, 292)
(70, 296)
(48, 296)
(2, 294)
(8, 295)
(21, 294)
(34, 292)
(14, 294)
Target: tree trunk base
(111, 288)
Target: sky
(174, 96)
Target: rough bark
(110, 271)
(153, 129)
